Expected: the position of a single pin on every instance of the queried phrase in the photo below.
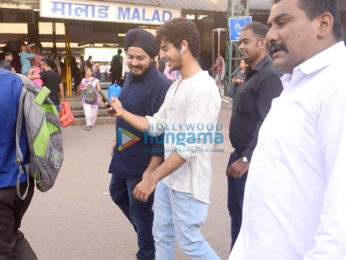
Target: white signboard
(106, 12)
(100, 54)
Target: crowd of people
(286, 178)
(41, 70)
(28, 62)
(50, 71)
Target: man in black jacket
(251, 105)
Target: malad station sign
(106, 12)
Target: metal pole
(54, 35)
(68, 60)
(244, 4)
(218, 42)
(230, 13)
(247, 12)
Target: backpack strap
(21, 172)
(95, 86)
(91, 84)
(27, 83)
(19, 155)
(20, 116)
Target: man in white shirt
(188, 114)
(295, 192)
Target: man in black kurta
(142, 94)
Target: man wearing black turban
(143, 93)
(142, 39)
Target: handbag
(66, 116)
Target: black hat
(141, 39)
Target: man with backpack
(13, 245)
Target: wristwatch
(244, 159)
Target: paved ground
(77, 219)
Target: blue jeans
(139, 214)
(180, 215)
(235, 199)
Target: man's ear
(325, 23)
(184, 44)
(263, 43)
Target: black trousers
(13, 245)
(140, 214)
(236, 188)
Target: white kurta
(295, 196)
(191, 107)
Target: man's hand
(144, 189)
(237, 169)
(146, 173)
(116, 108)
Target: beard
(177, 64)
(140, 77)
(176, 67)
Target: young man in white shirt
(183, 180)
(295, 193)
